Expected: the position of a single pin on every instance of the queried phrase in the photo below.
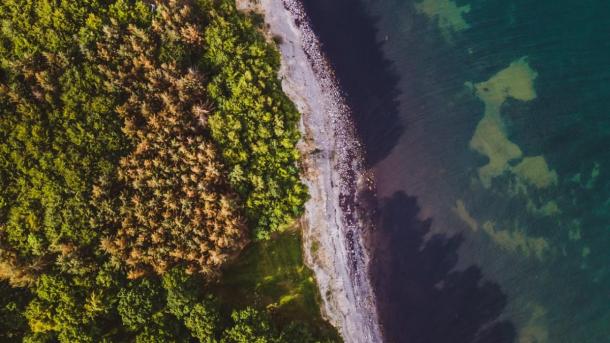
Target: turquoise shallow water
(488, 127)
(506, 106)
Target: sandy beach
(334, 171)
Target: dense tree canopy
(255, 124)
(143, 144)
(175, 202)
(58, 134)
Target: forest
(148, 166)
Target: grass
(271, 274)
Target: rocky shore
(333, 171)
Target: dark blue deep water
(487, 125)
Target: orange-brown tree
(175, 204)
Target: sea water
(487, 126)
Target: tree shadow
(368, 80)
(420, 297)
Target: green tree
(249, 326)
(202, 321)
(185, 300)
(59, 134)
(255, 124)
(63, 308)
(137, 304)
(13, 324)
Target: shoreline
(334, 172)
